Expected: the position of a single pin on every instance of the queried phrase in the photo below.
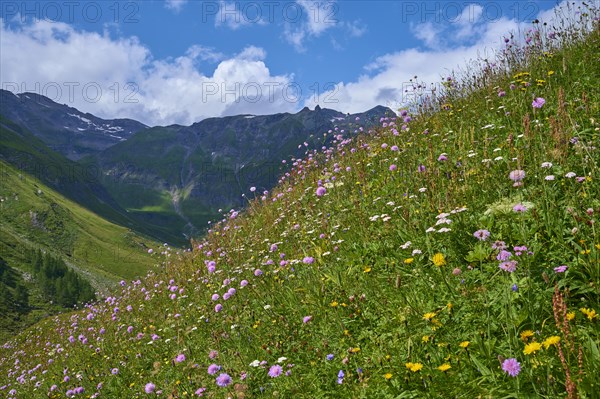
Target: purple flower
(114, 371)
(501, 93)
(180, 358)
(200, 391)
(538, 102)
(393, 167)
(481, 235)
(213, 368)
(149, 388)
(308, 260)
(508, 266)
(223, 380)
(330, 356)
(515, 288)
(511, 366)
(258, 272)
(421, 168)
(516, 175)
(561, 269)
(442, 158)
(519, 208)
(503, 255)
(340, 376)
(218, 307)
(275, 371)
(321, 191)
(306, 319)
(243, 283)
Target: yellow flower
(553, 340)
(425, 338)
(590, 313)
(532, 347)
(414, 367)
(570, 316)
(388, 376)
(429, 315)
(409, 261)
(449, 305)
(444, 367)
(526, 334)
(550, 73)
(333, 304)
(464, 344)
(439, 260)
(354, 350)
(367, 269)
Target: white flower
(444, 230)
(546, 165)
(281, 359)
(422, 189)
(498, 159)
(255, 363)
(429, 230)
(570, 175)
(549, 177)
(267, 307)
(406, 245)
(417, 252)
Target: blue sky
(179, 61)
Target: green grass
(33, 216)
(379, 288)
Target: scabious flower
(442, 157)
(481, 235)
(321, 191)
(275, 371)
(508, 266)
(393, 167)
(538, 102)
(503, 255)
(306, 319)
(511, 366)
(258, 272)
(213, 369)
(561, 269)
(519, 208)
(180, 358)
(308, 260)
(516, 175)
(149, 388)
(223, 380)
(330, 356)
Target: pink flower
(512, 367)
(275, 371)
(306, 319)
(538, 102)
(321, 191)
(561, 269)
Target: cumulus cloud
(119, 77)
(386, 79)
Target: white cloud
(235, 15)
(90, 72)
(175, 5)
(316, 17)
(389, 75)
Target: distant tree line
(59, 283)
(14, 296)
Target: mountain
(65, 129)
(179, 176)
(79, 183)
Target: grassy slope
(35, 217)
(435, 317)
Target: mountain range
(163, 181)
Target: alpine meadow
(450, 251)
